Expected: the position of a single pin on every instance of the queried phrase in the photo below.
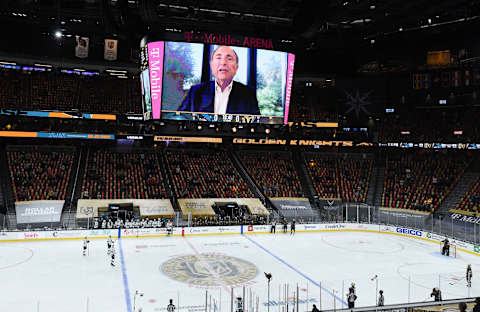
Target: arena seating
(471, 200)
(198, 174)
(421, 180)
(428, 126)
(49, 91)
(66, 92)
(12, 89)
(39, 175)
(336, 177)
(274, 173)
(111, 175)
(107, 95)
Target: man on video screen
(222, 96)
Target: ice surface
(54, 276)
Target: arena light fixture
(117, 74)
(58, 34)
(43, 65)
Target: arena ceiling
(324, 29)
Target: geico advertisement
(409, 231)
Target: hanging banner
(81, 46)
(110, 52)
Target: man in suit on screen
(222, 96)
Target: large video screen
(198, 81)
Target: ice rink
(54, 276)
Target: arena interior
(287, 155)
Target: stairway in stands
(250, 181)
(303, 176)
(6, 182)
(306, 181)
(379, 176)
(372, 186)
(3, 200)
(469, 177)
(75, 187)
(167, 181)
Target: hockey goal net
(453, 250)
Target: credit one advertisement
(39, 211)
(178, 81)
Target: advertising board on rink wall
(202, 207)
(236, 230)
(465, 218)
(289, 203)
(39, 211)
(293, 206)
(388, 215)
(88, 208)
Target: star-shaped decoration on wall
(357, 103)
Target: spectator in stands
(222, 96)
(315, 309)
(462, 307)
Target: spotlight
(234, 129)
(267, 130)
(252, 129)
(199, 127)
(58, 34)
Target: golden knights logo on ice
(209, 270)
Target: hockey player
(169, 227)
(239, 304)
(171, 306)
(469, 276)
(95, 224)
(353, 288)
(351, 297)
(446, 247)
(109, 244)
(285, 226)
(437, 294)
(85, 245)
(272, 228)
(112, 256)
(292, 227)
(381, 299)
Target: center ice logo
(210, 270)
